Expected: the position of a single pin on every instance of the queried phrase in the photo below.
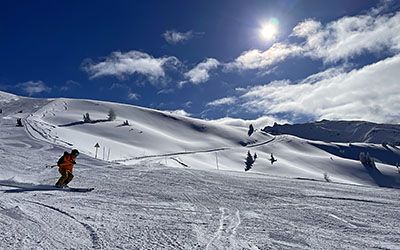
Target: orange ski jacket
(67, 162)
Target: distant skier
(272, 159)
(65, 166)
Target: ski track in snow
(93, 235)
(342, 220)
(225, 237)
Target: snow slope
(7, 97)
(149, 205)
(180, 141)
(161, 188)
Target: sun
(269, 30)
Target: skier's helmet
(75, 152)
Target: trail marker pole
(97, 148)
(216, 159)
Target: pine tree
(249, 161)
(251, 130)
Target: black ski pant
(66, 177)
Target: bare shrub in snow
(367, 160)
(86, 118)
(111, 115)
(19, 122)
(327, 178)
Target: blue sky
(210, 59)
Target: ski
(83, 190)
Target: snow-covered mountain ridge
(341, 131)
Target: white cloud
(174, 37)
(70, 84)
(259, 123)
(180, 112)
(223, 101)
(133, 96)
(188, 104)
(165, 91)
(339, 40)
(240, 89)
(370, 93)
(32, 87)
(117, 85)
(256, 59)
(306, 28)
(200, 73)
(349, 36)
(327, 74)
(133, 62)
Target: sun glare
(269, 30)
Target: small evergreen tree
(251, 130)
(272, 159)
(367, 160)
(19, 122)
(249, 161)
(111, 115)
(86, 118)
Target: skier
(65, 166)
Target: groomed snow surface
(173, 182)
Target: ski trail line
(342, 220)
(225, 237)
(232, 237)
(172, 154)
(93, 235)
(192, 152)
